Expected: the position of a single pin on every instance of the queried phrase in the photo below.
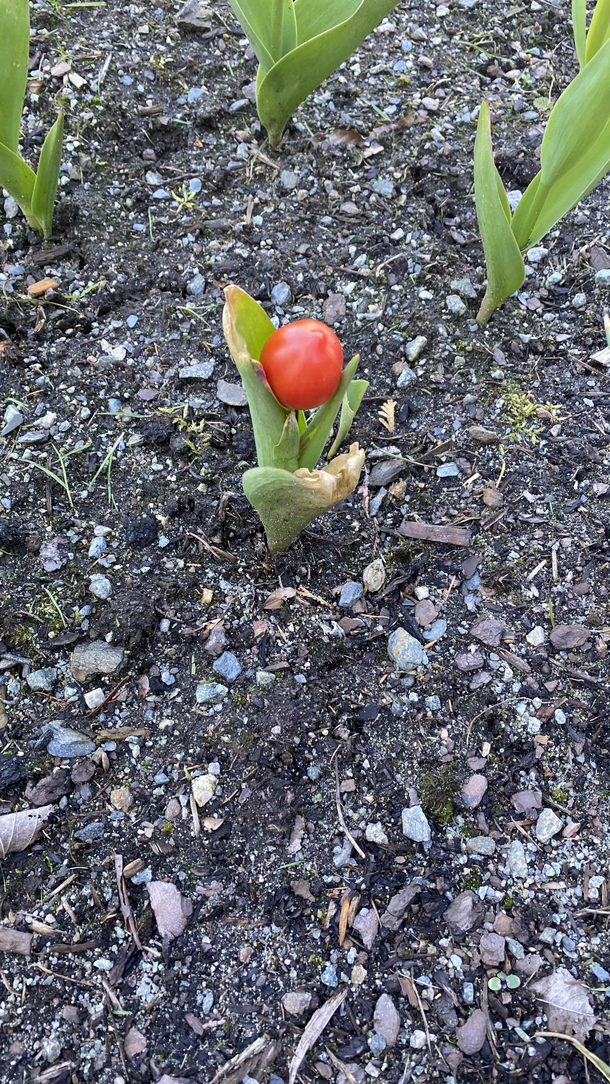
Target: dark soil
(167, 195)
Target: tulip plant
(574, 157)
(298, 44)
(34, 192)
(285, 372)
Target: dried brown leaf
(277, 598)
(386, 415)
(18, 830)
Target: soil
(127, 472)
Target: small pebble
(228, 666)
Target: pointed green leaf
(579, 28)
(524, 218)
(270, 27)
(288, 502)
(18, 179)
(301, 71)
(246, 328)
(351, 401)
(286, 451)
(47, 176)
(599, 31)
(313, 17)
(318, 431)
(14, 55)
(505, 267)
(577, 118)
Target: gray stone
(13, 418)
(232, 394)
(405, 651)
(415, 825)
(547, 825)
(536, 637)
(466, 912)
(464, 287)
(281, 294)
(374, 575)
(228, 666)
(415, 348)
(406, 378)
(264, 678)
(436, 630)
(100, 586)
(517, 861)
(196, 14)
(455, 305)
(288, 179)
(515, 948)
(33, 436)
(114, 405)
(334, 309)
(385, 472)
(196, 286)
(42, 681)
(579, 301)
(329, 975)
(96, 657)
(448, 470)
(433, 703)
(386, 1019)
(473, 791)
(366, 924)
(602, 277)
(92, 831)
(492, 947)
(210, 692)
(67, 743)
(471, 1036)
(484, 845)
(97, 547)
(375, 833)
(350, 593)
(482, 435)
(377, 1044)
(383, 187)
(236, 107)
(201, 371)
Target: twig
(111, 696)
(342, 818)
(126, 911)
(214, 550)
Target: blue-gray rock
(600, 973)
(433, 703)
(211, 692)
(602, 278)
(94, 830)
(95, 657)
(329, 975)
(406, 378)
(437, 629)
(415, 348)
(288, 179)
(281, 294)
(455, 305)
(383, 187)
(405, 651)
(484, 845)
(13, 418)
(97, 547)
(448, 470)
(196, 286)
(313, 772)
(232, 394)
(547, 825)
(236, 107)
(350, 593)
(201, 371)
(516, 948)
(377, 1045)
(517, 861)
(415, 825)
(131, 320)
(114, 405)
(228, 666)
(195, 13)
(100, 586)
(67, 743)
(464, 286)
(42, 681)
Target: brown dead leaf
(343, 919)
(37, 289)
(301, 889)
(566, 1003)
(432, 532)
(19, 830)
(296, 835)
(386, 415)
(277, 598)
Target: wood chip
(431, 532)
(15, 941)
(314, 1029)
(37, 289)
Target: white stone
(536, 637)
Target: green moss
(438, 791)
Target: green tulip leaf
(246, 328)
(351, 401)
(14, 56)
(286, 451)
(599, 31)
(577, 119)
(313, 440)
(303, 69)
(579, 27)
(47, 176)
(287, 502)
(19, 180)
(505, 267)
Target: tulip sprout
(34, 192)
(298, 44)
(574, 157)
(285, 488)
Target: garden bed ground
(363, 217)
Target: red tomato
(303, 363)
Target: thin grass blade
(18, 179)
(47, 177)
(579, 28)
(599, 30)
(14, 55)
(505, 267)
(301, 71)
